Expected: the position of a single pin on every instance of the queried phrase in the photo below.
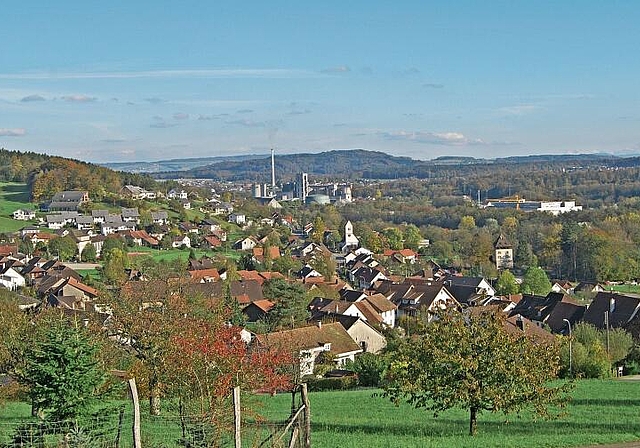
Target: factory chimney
(273, 173)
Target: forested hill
(360, 163)
(354, 163)
(47, 175)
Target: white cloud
(78, 98)
(434, 138)
(247, 123)
(519, 109)
(189, 73)
(30, 98)
(15, 132)
(180, 116)
(338, 69)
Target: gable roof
(307, 338)
(622, 308)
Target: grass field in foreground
(601, 412)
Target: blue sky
(141, 80)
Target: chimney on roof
(612, 305)
(319, 324)
(520, 322)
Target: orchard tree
(470, 360)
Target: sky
(153, 80)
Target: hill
(46, 175)
(174, 164)
(360, 163)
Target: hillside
(360, 163)
(354, 163)
(46, 175)
(174, 164)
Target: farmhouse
(309, 343)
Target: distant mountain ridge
(361, 163)
(173, 164)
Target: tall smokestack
(273, 173)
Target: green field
(601, 412)
(173, 254)
(12, 197)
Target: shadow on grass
(604, 402)
(443, 427)
(16, 193)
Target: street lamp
(570, 348)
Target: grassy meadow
(602, 411)
(12, 197)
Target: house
(366, 336)
(10, 278)
(469, 290)
(55, 222)
(588, 288)
(99, 216)
(185, 203)
(130, 215)
(385, 309)
(309, 343)
(258, 253)
(257, 310)
(404, 256)
(177, 194)
(84, 222)
(246, 291)
(68, 200)
(503, 253)
(551, 309)
(140, 238)
(160, 217)
(613, 308)
(269, 202)
(224, 208)
(364, 277)
(412, 298)
(180, 241)
(237, 218)
(29, 230)
(205, 275)
(188, 227)
(212, 242)
(247, 243)
(136, 193)
(114, 226)
(24, 215)
(308, 272)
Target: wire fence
(114, 429)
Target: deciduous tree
(469, 360)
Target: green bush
(341, 383)
(370, 369)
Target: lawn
(173, 254)
(12, 197)
(601, 412)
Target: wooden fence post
(136, 413)
(307, 415)
(237, 416)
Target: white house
(181, 241)
(24, 215)
(10, 278)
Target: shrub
(341, 383)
